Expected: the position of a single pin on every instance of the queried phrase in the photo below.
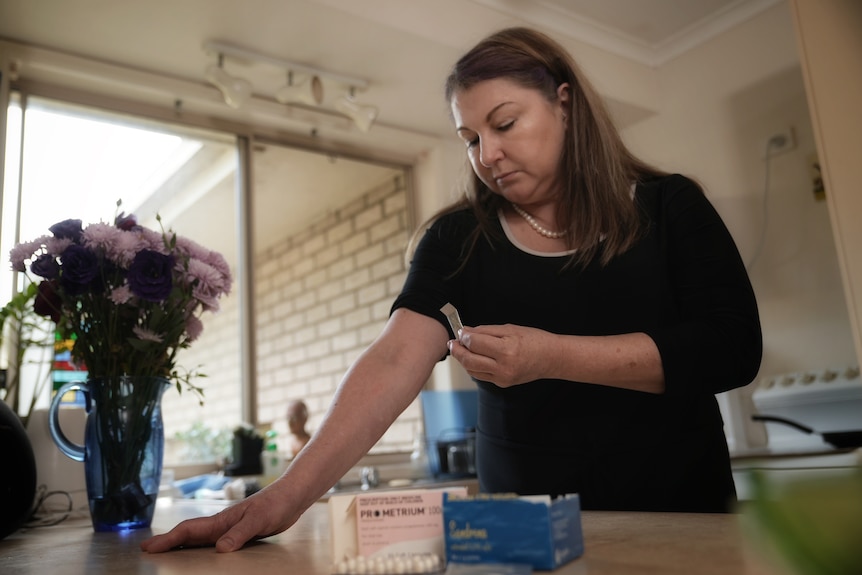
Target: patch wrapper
(388, 523)
(535, 530)
(454, 318)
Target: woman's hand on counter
(256, 517)
(385, 379)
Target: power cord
(43, 515)
(774, 142)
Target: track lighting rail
(242, 53)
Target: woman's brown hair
(598, 170)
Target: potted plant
(21, 330)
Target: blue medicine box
(495, 528)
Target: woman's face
(514, 138)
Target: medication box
(534, 530)
(388, 523)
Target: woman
(609, 302)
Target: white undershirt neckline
(508, 231)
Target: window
(328, 233)
(78, 162)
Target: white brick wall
(341, 276)
(321, 297)
(216, 354)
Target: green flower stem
(124, 410)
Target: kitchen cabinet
(829, 37)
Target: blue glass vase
(123, 447)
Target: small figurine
(297, 416)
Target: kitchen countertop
(792, 465)
(851, 454)
(617, 543)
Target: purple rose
(80, 269)
(150, 276)
(45, 266)
(47, 302)
(126, 223)
(70, 229)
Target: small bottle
(270, 458)
(419, 455)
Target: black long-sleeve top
(683, 284)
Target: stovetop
(826, 400)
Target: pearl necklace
(539, 228)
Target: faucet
(370, 477)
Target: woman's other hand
(508, 355)
(505, 355)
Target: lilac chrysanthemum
(217, 261)
(191, 248)
(127, 247)
(194, 327)
(146, 334)
(208, 284)
(56, 246)
(24, 251)
(98, 235)
(119, 246)
(153, 240)
(121, 294)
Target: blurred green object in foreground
(815, 525)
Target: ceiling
(403, 48)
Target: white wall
(720, 104)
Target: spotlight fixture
(234, 90)
(309, 92)
(362, 115)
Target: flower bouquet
(130, 298)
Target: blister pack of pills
(489, 569)
(398, 564)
